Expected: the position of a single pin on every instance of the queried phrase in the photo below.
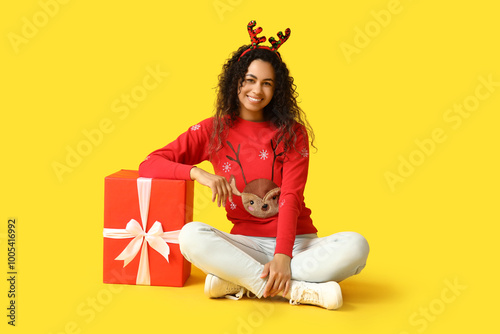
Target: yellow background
(437, 227)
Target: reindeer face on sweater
(260, 197)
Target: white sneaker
(327, 295)
(216, 287)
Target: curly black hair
(282, 110)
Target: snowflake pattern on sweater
(263, 154)
(226, 167)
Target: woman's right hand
(221, 190)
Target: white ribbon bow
(155, 237)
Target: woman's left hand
(280, 275)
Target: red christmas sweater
(267, 183)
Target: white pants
(240, 259)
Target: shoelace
(238, 295)
(302, 293)
(251, 295)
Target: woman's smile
(254, 99)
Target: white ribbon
(155, 237)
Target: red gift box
(142, 220)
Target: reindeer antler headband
(257, 40)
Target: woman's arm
(291, 201)
(294, 177)
(177, 160)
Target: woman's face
(257, 90)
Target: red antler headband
(257, 40)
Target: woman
(258, 144)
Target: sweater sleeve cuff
(283, 247)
